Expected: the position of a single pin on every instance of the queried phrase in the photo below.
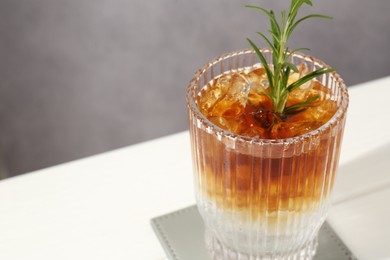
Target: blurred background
(81, 77)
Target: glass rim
(341, 110)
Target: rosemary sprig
(280, 72)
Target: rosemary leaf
(301, 105)
(267, 40)
(291, 29)
(292, 66)
(263, 61)
(308, 77)
(281, 65)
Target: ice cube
(258, 79)
(320, 91)
(258, 85)
(292, 129)
(254, 131)
(239, 89)
(226, 108)
(213, 93)
(323, 111)
(300, 94)
(308, 90)
(234, 101)
(294, 76)
(228, 124)
(322, 108)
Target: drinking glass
(263, 198)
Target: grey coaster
(181, 234)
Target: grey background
(80, 77)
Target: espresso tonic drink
(263, 180)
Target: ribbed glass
(263, 198)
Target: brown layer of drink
(253, 179)
(261, 185)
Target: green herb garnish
(279, 74)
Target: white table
(99, 207)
